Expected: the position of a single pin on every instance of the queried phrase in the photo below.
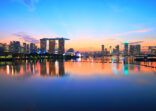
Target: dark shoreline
(40, 57)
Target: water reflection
(84, 67)
(41, 68)
(52, 68)
(98, 84)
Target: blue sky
(98, 21)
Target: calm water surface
(81, 85)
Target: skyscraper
(117, 50)
(24, 48)
(61, 48)
(110, 50)
(28, 49)
(33, 48)
(102, 50)
(1, 48)
(43, 45)
(135, 49)
(52, 46)
(15, 47)
(125, 49)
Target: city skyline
(90, 23)
(77, 55)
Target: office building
(125, 53)
(61, 48)
(110, 50)
(24, 48)
(33, 48)
(43, 45)
(2, 48)
(28, 49)
(53, 45)
(117, 50)
(152, 50)
(15, 47)
(135, 49)
(102, 49)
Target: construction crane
(133, 43)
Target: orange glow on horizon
(85, 44)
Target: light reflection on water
(97, 84)
(49, 68)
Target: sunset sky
(87, 23)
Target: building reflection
(130, 65)
(61, 68)
(41, 68)
(52, 68)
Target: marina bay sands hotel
(53, 45)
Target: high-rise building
(61, 48)
(102, 49)
(135, 49)
(24, 48)
(138, 49)
(125, 49)
(28, 49)
(131, 50)
(33, 48)
(117, 50)
(15, 47)
(43, 45)
(52, 46)
(152, 50)
(4, 47)
(110, 50)
(1, 48)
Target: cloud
(26, 37)
(142, 30)
(132, 32)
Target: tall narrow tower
(117, 50)
(126, 49)
(61, 46)
(102, 49)
(52, 46)
(43, 45)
